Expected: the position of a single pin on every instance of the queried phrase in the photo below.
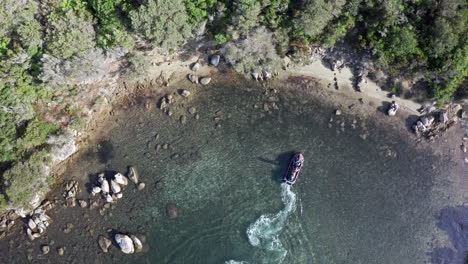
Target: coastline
(169, 69)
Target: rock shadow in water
(454, 221)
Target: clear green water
(352, 203)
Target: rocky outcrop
(37, 224)
(437, 121)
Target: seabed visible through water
(356, 201)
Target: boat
(295, 166)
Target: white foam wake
(264, 233)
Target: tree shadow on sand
(454, 221)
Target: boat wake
(264, 233)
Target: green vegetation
(163, 22)
(47, 53)
(23, 181)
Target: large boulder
(125, 243)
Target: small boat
(295, 166)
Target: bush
(25, 180)
(315, 15)
(36, 133)
(68, 33)
(85, 67)
(253, 53)
(163, 22)
(111, 31)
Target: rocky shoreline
(101, 121)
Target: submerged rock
(171, 211)
(125, 243)
(133, 175)
(141, 186)
(61, 251)
(104, 243)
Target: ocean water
(371, 200)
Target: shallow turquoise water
(352, 204)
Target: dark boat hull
(294, 169)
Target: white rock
(255, 75)
(30, 234)
(185, 93)
(125, 243)
(119, 195)
(44, 217)
(115, 187)
(196, 66)
(96, 190)
(121, 179)
(137, 243)
(32, 224)
(109, 198)
(205, 80)
(105, 186)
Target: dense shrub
(111, 32)
(68, 33)
(24, 180)
(163, 22)
(253, 53)
(36, 133)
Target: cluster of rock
(37, 225)
(436, 121)
(392, 109)
(128, 244)
(204, 80)
(111, 189)
(264, 75)
(71, 190)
